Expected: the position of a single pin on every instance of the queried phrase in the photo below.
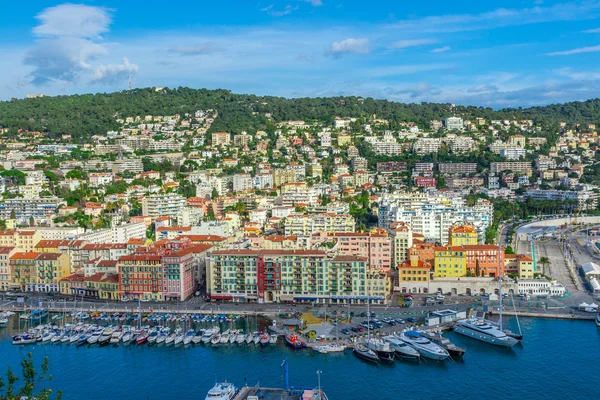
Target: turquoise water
(558, 360)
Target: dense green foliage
(88, 114)
(29, 382)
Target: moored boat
(294, 341)
(480, 330)
(445, 343)
(222, 391)
(142, 338)
(365, 353)
(264, 339)
(424, 346)
(384, 350)
(402, 349)
(24, 339)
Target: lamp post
(319, 372)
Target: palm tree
(544, 261)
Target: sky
(508, 53)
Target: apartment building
(307, 224)
(40, 210)
(163, 205)
(519, 167)
(450, 261)
(457, 168)
(283, 176)
(272, 276)
(38, 272)
(220, 138)
(454, 123)
(424, 146)
(6, 282)
(392, 166)
(242, 182)
(402, 240)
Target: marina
(192, 370)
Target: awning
(220, 297)
(287, 297)
(305, 299)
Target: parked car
(355, 329)
(400, 321)
(389, 321)
(346, 331)
(409, 296)
(411, 320)
(360, 328)
(440, 297)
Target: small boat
(249, 338)
(294, 341)
(74, 338)
(142, 338)
(46, 337)
(273, 339)
(240, 338)
(127, 336)
(170, 339)
(23, 339)
(57, 338)
(256, 338)
(329, 348)
(365, 353)
(224, 338)
(207, 336)
(66, 337)
(216, 339)
(3, 321)
(222, 391)
(57, 317)
(197, 337)
(94, 337)
(189, 336)
(179, 339)
(115, 338)
(153, 336)
(83, 339)
(402, 349)
(264, 339)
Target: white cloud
(595, 30)
(114, 73)
(287, 10)
(315, 3)
(405, 69)
(590, 49)
(69, 47)
(194, 50)
(348, 46)
(502, 17)
(440, 49)
(403, 44)
(75, 20)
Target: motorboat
(384, 350)
(197, 337)
(142, 338)
(224, 338)
(115, 338)
(240, 338)
(127, 336)
(3, 321)
(330, 348)
(46, 337)
(480, 330)
(294, 341)
(424, 346)
(273, 339)
(74, 338)
(256, 338)
(171, 338)
(66, 337)
(232, 336)
(216, 339)
(208, 334)
(179, 339)
(402, 349)
(222, 391)
(23, 339)
(249, 338)
(598, 320)
(450, 347)
(57, 337)
(365, 353)
(83, 339)
(189, 336)
(153, 336)
(106, 335)
(264, 339)
(94, 337)
(508, 332)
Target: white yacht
(402, 349)
(598, 320)
(481, 330)
(424, 346)
(383, 349)
(222, 391)
(208, 334)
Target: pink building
(179, 274)
(375, 247)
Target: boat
(94, 337)
(3, 321)
(598, 320)
(208, 334)
(189, 336)
(153, 336)
(330, 348)
(179, 339)
(83, 339)
(450, 347)
(106, 335)
(480, 330)
(256, 338)
(46, 337)
(294, 341)
(225, 338)
(24, 339)
(232, 337)
(365, 353)
(74, 338)
(127, 336)
(198, 337)
(424, 346)
(216, 339)
(57, 337)
(115, 338)
(273, 339)
(384, 350)
(66, 337)
(402, 350)
(249, 338)
(142, 338)
(264, 339)
(222, 391)
(240, 338)
(171, 338)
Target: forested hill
(88, 114)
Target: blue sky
(491, 53)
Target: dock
(249, 393)
(547, 315)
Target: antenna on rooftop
(130, 82)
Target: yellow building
(450, 261)
(414, 271)
(51, 268)
(103, 286)
(23, 269)
(460, 235)
(344, 139)
(23, 240)
(526, 270)
(379, 285)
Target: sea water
(558, 359)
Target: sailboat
(363, 351)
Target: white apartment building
(454, 123)
(513, 153)
(35, 178)
(163, 205)
(307, 224)
(100, 179)
(298, 194)
(42, 210)
(262, 181)
(540, 287)
(30, 191)
(58, 233)
(242, 182)
(118, 234)
(424, 146)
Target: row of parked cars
(375, 324)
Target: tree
(2, 225)
(544, 261)
(77, 174)
(31, 379)
(214, 194)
